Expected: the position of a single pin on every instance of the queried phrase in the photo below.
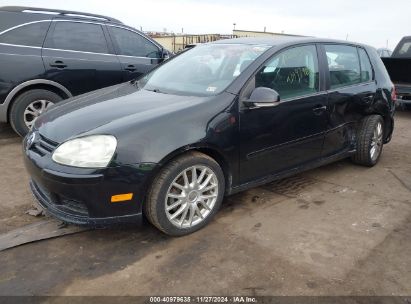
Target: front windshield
(202, 71)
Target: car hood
(118, 105)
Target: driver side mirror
(166, 54)
(262, 97)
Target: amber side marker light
(121, 197)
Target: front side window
(29, 35)
(132, 44)
(77, 36)
(343, 64)
(291, 73)
(366, 68)
(202, 71)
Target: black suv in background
(50, 55)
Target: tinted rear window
(29, 35)
(343, 64)
(76, 36)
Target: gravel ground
(336, 230)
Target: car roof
(283, 40)
(57, 12)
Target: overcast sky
(368, 21)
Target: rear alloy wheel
(28, 106)
(376, 142)
(33, 110)
(186, 194)
(370, 140)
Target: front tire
(28, 106)
(370, 139)
(186, 194)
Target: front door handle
(130, 68)
(58, 64)
(368, 98)
(319, 110)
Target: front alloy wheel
(191, 196)
(186, 194)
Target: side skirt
(288, 173)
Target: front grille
(43, 146)
(61, 202)
(73, 206)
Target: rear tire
(178, 204)
(28, 106)
(370, 140)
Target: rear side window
(343, 64)
(76, 36)
(366, 68)
(292, 73)
(29, 35)
(132, 44)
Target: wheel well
(41, 86)
(207, 151)
(220, 160)
(387, 124)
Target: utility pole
(346, 37)
(234, 24)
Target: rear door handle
(130, 68)
(319, 110)
(58, 64)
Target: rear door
(77, 55)
(137, 54)
(351, 91)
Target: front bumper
(74, 212)
(83, 196)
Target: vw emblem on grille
(31, 139)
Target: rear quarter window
(28, 35)
(131, 44)
(366, 67)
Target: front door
(291, 133)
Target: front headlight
(93, 151)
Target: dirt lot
(336, 230)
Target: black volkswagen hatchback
(215, 120)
